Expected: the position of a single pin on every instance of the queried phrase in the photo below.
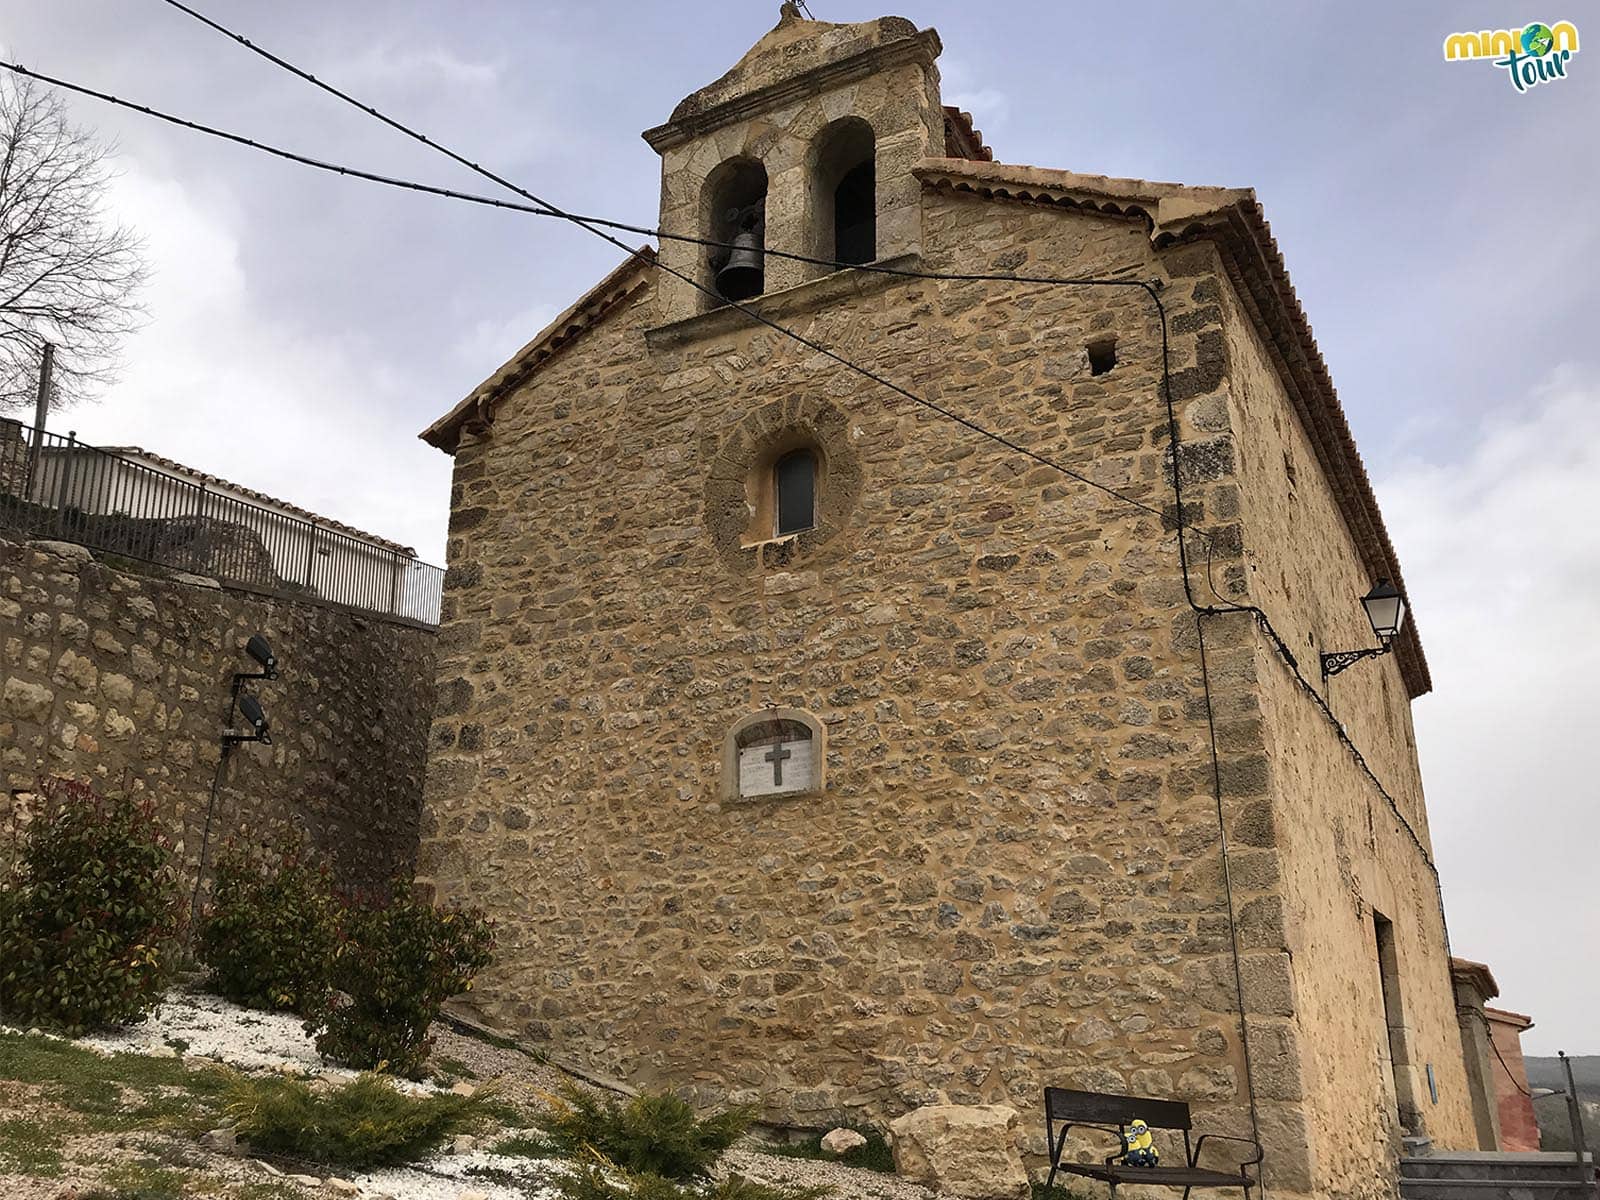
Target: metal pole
(42, 404)
(1574, 1114)
(40, 407)
(63, 491)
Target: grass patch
(1075, 1192)
(599, 1179)
(145, 1179)
(117, 1091)
(271, 1190)
(527, 1145)
(367, 1122)
(874, 1156)
(652, 1136)
(447, 1070)
(29, 1148)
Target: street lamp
(1386, 610)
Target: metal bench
(1113, 1114)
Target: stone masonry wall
(1343, 851)
(122, 679)
(1013, 877)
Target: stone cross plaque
(774, 768)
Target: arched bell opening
(843, 193)
(735, 208)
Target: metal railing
(61, 488)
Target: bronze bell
(741, 276)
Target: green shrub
(269, 933)
(397, 962)
(89, 913)
(368, 1122)
(645, 1135)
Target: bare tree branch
(68, 276)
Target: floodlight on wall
(1386, 612)
(258, 649)
(248, 706)
(256, 729)
(255, 718)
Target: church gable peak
(795, 59)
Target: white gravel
(209, 1027)
(199, 1025)
(450, 1177)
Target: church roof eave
(477, 407)
(1233, 220)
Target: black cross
(775, 756)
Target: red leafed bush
(89, 913)
(398, 960)
(270, 931)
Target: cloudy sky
(1441, 228)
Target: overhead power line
(598, 227)
(536, 210)
(544, 209)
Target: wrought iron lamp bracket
(1341, 660)
(240, 678)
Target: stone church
(816, 750)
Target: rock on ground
(967, 1151)
(842, 1141)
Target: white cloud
(1502, 558)
(269, 400)
(990, 107)
(492, 341)
(386, 65)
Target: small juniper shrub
(269, 933)
(398, 959)
(597, 1178)
(90, 912)
(368, 1122)
(655, 1135)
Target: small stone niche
(776, 752)
(1102, 355)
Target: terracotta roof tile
(961, 140)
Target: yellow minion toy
(1139, 1147)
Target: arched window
(735, 211)
(844, 200)
(794, 483)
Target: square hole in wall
(1102, 355)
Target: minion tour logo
(1534, 54)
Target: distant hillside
(1547, 1072)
